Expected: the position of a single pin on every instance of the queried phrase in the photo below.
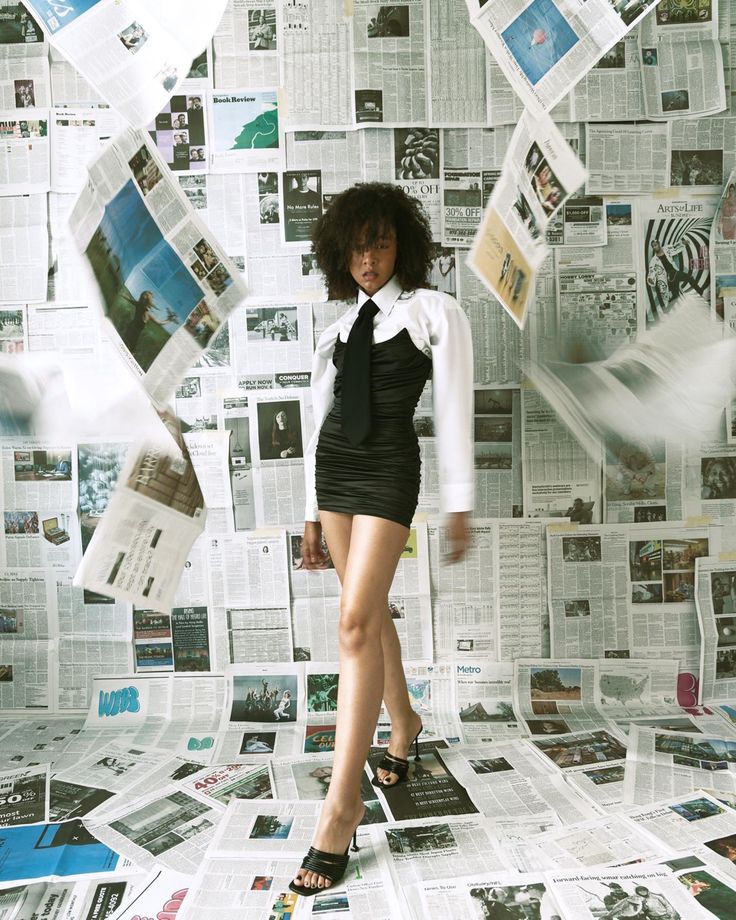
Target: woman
(728, 214)
(362, 470)
(284, 439)
(143, 313)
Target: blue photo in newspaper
(55, 14)
(41, 850)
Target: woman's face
(372, 266)
(281, 419)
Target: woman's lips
(370, 276)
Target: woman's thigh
(336, 528)
(375, 548)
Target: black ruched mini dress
(381, 476)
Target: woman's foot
(402, 738)
(334, 832)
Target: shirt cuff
(311, 512)
(457, 497)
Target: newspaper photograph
(540, 171)
(165, 288)
(545, 48)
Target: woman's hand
(458, 535)
(289, 452)
(313, 554)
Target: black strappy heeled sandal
(331, 866)
(396, 765)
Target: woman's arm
(322, 382)
(452, 397)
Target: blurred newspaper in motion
(539, 172)
(156, 512)
(167, 285)
(674, 381)
(545, 47)
(134, 54)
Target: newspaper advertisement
(135, 55)
(167, 287)
(24, 796)
(540, 171)
(662, 764)
(644, 580)
(545, 48)
(156, 512)
(87, 899)
(682, 64)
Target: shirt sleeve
(322, 383)
(452, 395)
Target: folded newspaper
(672, 383)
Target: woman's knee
(359, 623)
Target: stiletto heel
(397, 765)
(355, 846)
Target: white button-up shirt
(438, 327)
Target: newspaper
(246, 45)
(104, 41)
(662, 764)
(162, 891)
(682, 64)
(540, 171)
(561, 476)
(67, 900)
(23, 248)
(130, 185)
(644, 579)
(545, 49)
(156, 512)
(697, 822)
(167, 827)
(489, 892)
(651, 389)
(612, 89)
(588, 894)
(714, 598)
(25, 796)
(626, 159)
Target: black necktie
(356, 377)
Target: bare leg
(405, 723)
(375, 546)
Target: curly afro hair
(369, 210)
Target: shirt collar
(385, 298)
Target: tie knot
(368, 310)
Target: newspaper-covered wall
(169, 668)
